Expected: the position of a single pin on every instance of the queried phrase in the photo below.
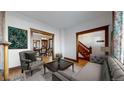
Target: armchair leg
(44, 69)
(73, 67)
(31, 72)
(22, 71)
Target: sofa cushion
(114, 68)
(111, 61)
(90, 72)
(105, 75)
(119, 64)
(111, 64)
(120, 78)
(117, 74)
(31, 56)
(67, 76)
(35, 64)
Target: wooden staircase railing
(84, 51)
(84, 46)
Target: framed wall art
(18, 38)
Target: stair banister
(84, 50)
(6, 68)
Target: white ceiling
(64, 19)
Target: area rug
(38, 75)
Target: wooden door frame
(49, 42)
(44, 33)
(105, 28)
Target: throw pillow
(31, 56)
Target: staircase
(84, 51)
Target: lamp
(105, 49)
(58, 56)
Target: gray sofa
(110, 70)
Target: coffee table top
(61, 65)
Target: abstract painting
(17, 37)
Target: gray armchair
(28, 61)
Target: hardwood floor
(81, 62)
(14, 73)
(47, 59)
(1, 77)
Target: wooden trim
(106, 28)
(44, 33)
(113, 18)
(77, 43)
(53, 46)
(49, 41)
(70, 59)
(41, 32)
(83, 46)
(13, 68)
(93, 30)
(106, 39)
(112, 32)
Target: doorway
(43, 43)
(92, 42)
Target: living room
(70, 32)
(64, 26)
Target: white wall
(62, 40)
(90, 40)
(69, 39)
(17, 20)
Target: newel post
(6, 68)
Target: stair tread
(85, 52)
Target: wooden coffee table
(55, 66)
